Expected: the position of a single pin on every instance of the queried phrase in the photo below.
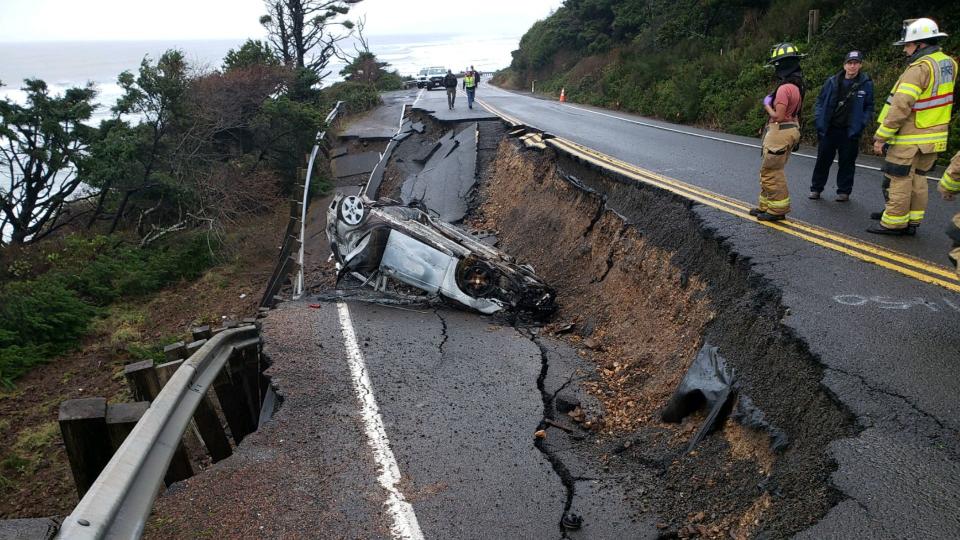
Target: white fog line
(405, 524)
(419, 95)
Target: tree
(251, 53)
(43, 145)
(157, 96)
(306, 32)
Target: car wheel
(352, 211)
(476, 278)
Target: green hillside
(702, 61)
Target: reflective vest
(933, 104)
(469, 81)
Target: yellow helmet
(784, 50)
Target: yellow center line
(794, 223)
(856, 248)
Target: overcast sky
(106, 20)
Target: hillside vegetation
(702, 61)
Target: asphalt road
(726, 164)
(889, 344)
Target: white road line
(405, 524)
(701, 135)
(419, 95)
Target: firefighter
(781, 134)
(949, 188)
(914, 125)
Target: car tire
(352, 212)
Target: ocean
(67, 64)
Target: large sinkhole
(645, 284)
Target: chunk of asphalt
(566, 401)
(354, 164)
(447, 177)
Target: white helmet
(919, 30)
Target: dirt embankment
(646, 285)
(35, 478)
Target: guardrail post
(83, 425)
(205, 417)
(121, 417)
(175, 351)
(234, 405)
(145, 385)
(244, 364)
(201, 332)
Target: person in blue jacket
(844, 108)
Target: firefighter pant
(776, 147)
(905, 185)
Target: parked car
(431, 77)
(379, 242)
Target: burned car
(381, 241)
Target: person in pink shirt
(781, 134)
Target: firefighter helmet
(784, 50)
(918, 30)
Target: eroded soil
(644, 285)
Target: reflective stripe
(916, 215)
(909, 89)
(921, 138)
(885, 132)
(933, 102)
(894, 220)
(949, 183)
(781, 204)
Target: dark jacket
(450, 81)
(861, 112)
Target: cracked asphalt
(889, 344)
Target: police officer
(914, 125)
(781, 133)
(949, 188)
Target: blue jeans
(470, 94)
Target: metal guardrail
(298, 217)
(118, 503)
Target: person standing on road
(914, 126)
(781, 134)
(949, 188)
(450, 83)
(470, 81)
(844, 107)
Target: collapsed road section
(664, 397)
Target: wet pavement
(888, 343)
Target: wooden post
(83, 425)
(813, 24)
(201, 332)
(145, 385)
(175, 351)
(143, 380)
(211, 430)
(234, 405)
(245, 375)
(194, 346)
(205, 418)
(121, 417)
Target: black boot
(764, 216)
(880, 229)
(755, 212)
(876, 215)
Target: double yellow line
(893, 260)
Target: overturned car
(380, 241)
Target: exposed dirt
(645, 284)
(35, 478)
